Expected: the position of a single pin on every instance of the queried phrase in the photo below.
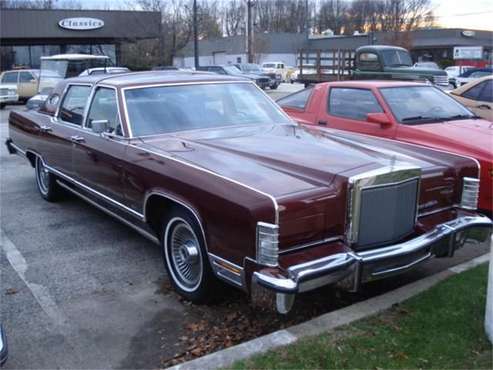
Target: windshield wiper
(418, 118)
(460, 116)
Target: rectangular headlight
(470, 193)
(267, 244)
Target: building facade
(28, 34)
(436, 45)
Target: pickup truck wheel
(186, 259)
(46, 181)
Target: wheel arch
(157, 203)
(31, 157)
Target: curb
(325, 322)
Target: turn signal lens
(267, 244)
(470, 193)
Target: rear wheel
(46, 182)
(186, 259)
(2, 105)
(274, 87)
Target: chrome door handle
(77, 139)
(45, 128)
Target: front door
(61, 131)
(347, 109)
(98, 157)
(28, 85)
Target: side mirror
(380, 118)
(100, 125)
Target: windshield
(252, 68)
(413, 105)
(396, 58)
(431, 65)
(269, 65)
(232, 70)
(166, 109)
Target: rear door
(65, 129)
(347, 108)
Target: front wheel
(46, 182)
(186, 259)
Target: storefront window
(29, 56)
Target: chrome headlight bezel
(267, 244)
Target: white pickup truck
(278, 68)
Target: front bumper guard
(351, 269)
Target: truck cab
(375, 62)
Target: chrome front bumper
(351, 269)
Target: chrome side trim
(447, 208)
(271, 198)
(95, 192)
(218, 266)
(18, 149)
(107, 211)
(311, 244)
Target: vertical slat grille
(387, 213)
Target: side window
(352, 103)
(25, 77)
(368, 57)
(487, 93)
(10, 77)
(74, 102)
(104, 107)
(473, 92)
(297, 100)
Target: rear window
(297, 100)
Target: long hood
(282, 159)
(471, 137)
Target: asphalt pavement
(80, 290)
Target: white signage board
(81, 23)
(468, 52)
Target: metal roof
(264, 42)
(279, 43)
(74, 57)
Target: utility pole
(195, 35)
(249, 30)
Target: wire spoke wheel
(43, 176)
(184, 255)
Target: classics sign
(81, 23)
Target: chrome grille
(387, 213)
(382, 205)
(470, 193)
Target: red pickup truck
(416, 113)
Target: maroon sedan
(232, 189)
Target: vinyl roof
(155, 78)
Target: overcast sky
(475, 14)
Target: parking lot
(81, 290)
